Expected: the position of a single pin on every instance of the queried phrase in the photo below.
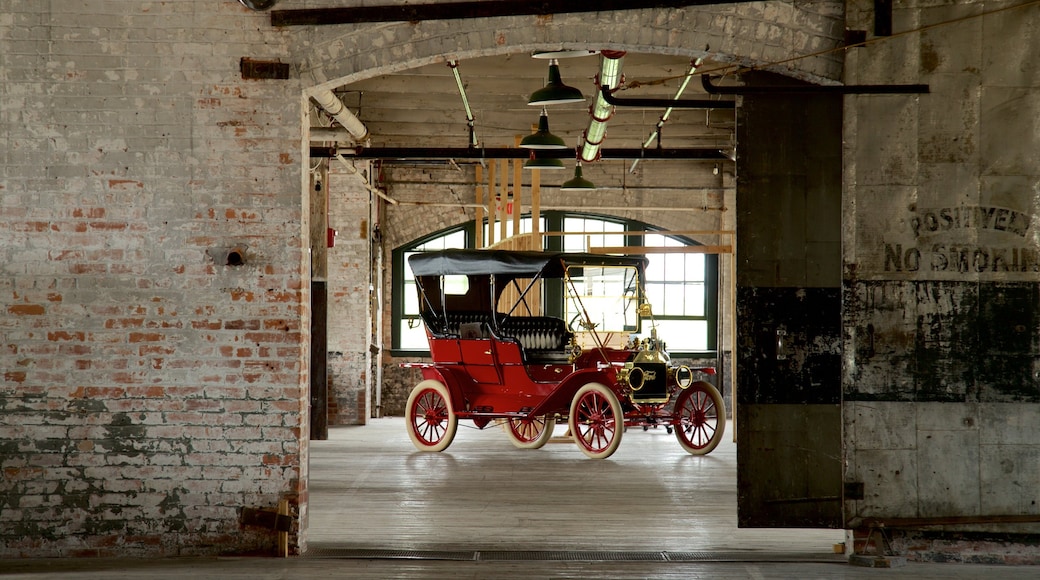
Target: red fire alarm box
(331, 242)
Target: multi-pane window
(675, 288)
(680, 286)
(410, 334)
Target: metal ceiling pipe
(817, 89)
(665, 103)
(655, 136)
(601, 111)
(339, 111)
(454, 65)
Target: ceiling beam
(467, 10)
(425, 153)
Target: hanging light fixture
(543, 162)
(258, 4)
(562, 53)
(542, 138)
(555, 92)
(577, 183)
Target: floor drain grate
(573, 556)
(367, 554)
(343, 553)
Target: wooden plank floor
(370, 489)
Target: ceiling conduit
(339, 112)
(656, 134)
(454, 65)
(601, 111)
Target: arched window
(681, 287)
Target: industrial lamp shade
(542, 138)
(555, 92)
(258, 4)
(543, 163)
(577, 183)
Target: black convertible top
(516, 264)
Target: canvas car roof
(510, 262)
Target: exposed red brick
(88, 269)
(89, 212)
(146, 337)
(124, 323)
(26, 309)
(242, 325)
(14, 377)
(59, 335)
(240, 294)
(124, 184)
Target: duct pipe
(815, 89)
(454, 65)
(339, 111)
(601, 111)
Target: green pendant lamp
(555, 92)
(542, 138)
(543, 162)
(577, 183)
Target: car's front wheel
(596, 421)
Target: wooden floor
(485, 510)
(370, 489)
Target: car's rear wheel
(700, 418)
(430, 418)
(531, 433)
(596, 421)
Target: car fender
(451, 379)
(560, 399)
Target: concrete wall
(940, 279)
(149, 391)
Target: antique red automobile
(501, 355)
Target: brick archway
(755, 34)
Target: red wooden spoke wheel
(430, 418)
(700, 418)
(531, 433)
(596, 421)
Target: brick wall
(351, 269)
(149, 390)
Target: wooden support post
(518, 186)
(536, 209)
(518, 197)
(503, 201)
(478, 239)
(283, 537)
(492, 205)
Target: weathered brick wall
(149, 391)
(351, 269)
(940, 250)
